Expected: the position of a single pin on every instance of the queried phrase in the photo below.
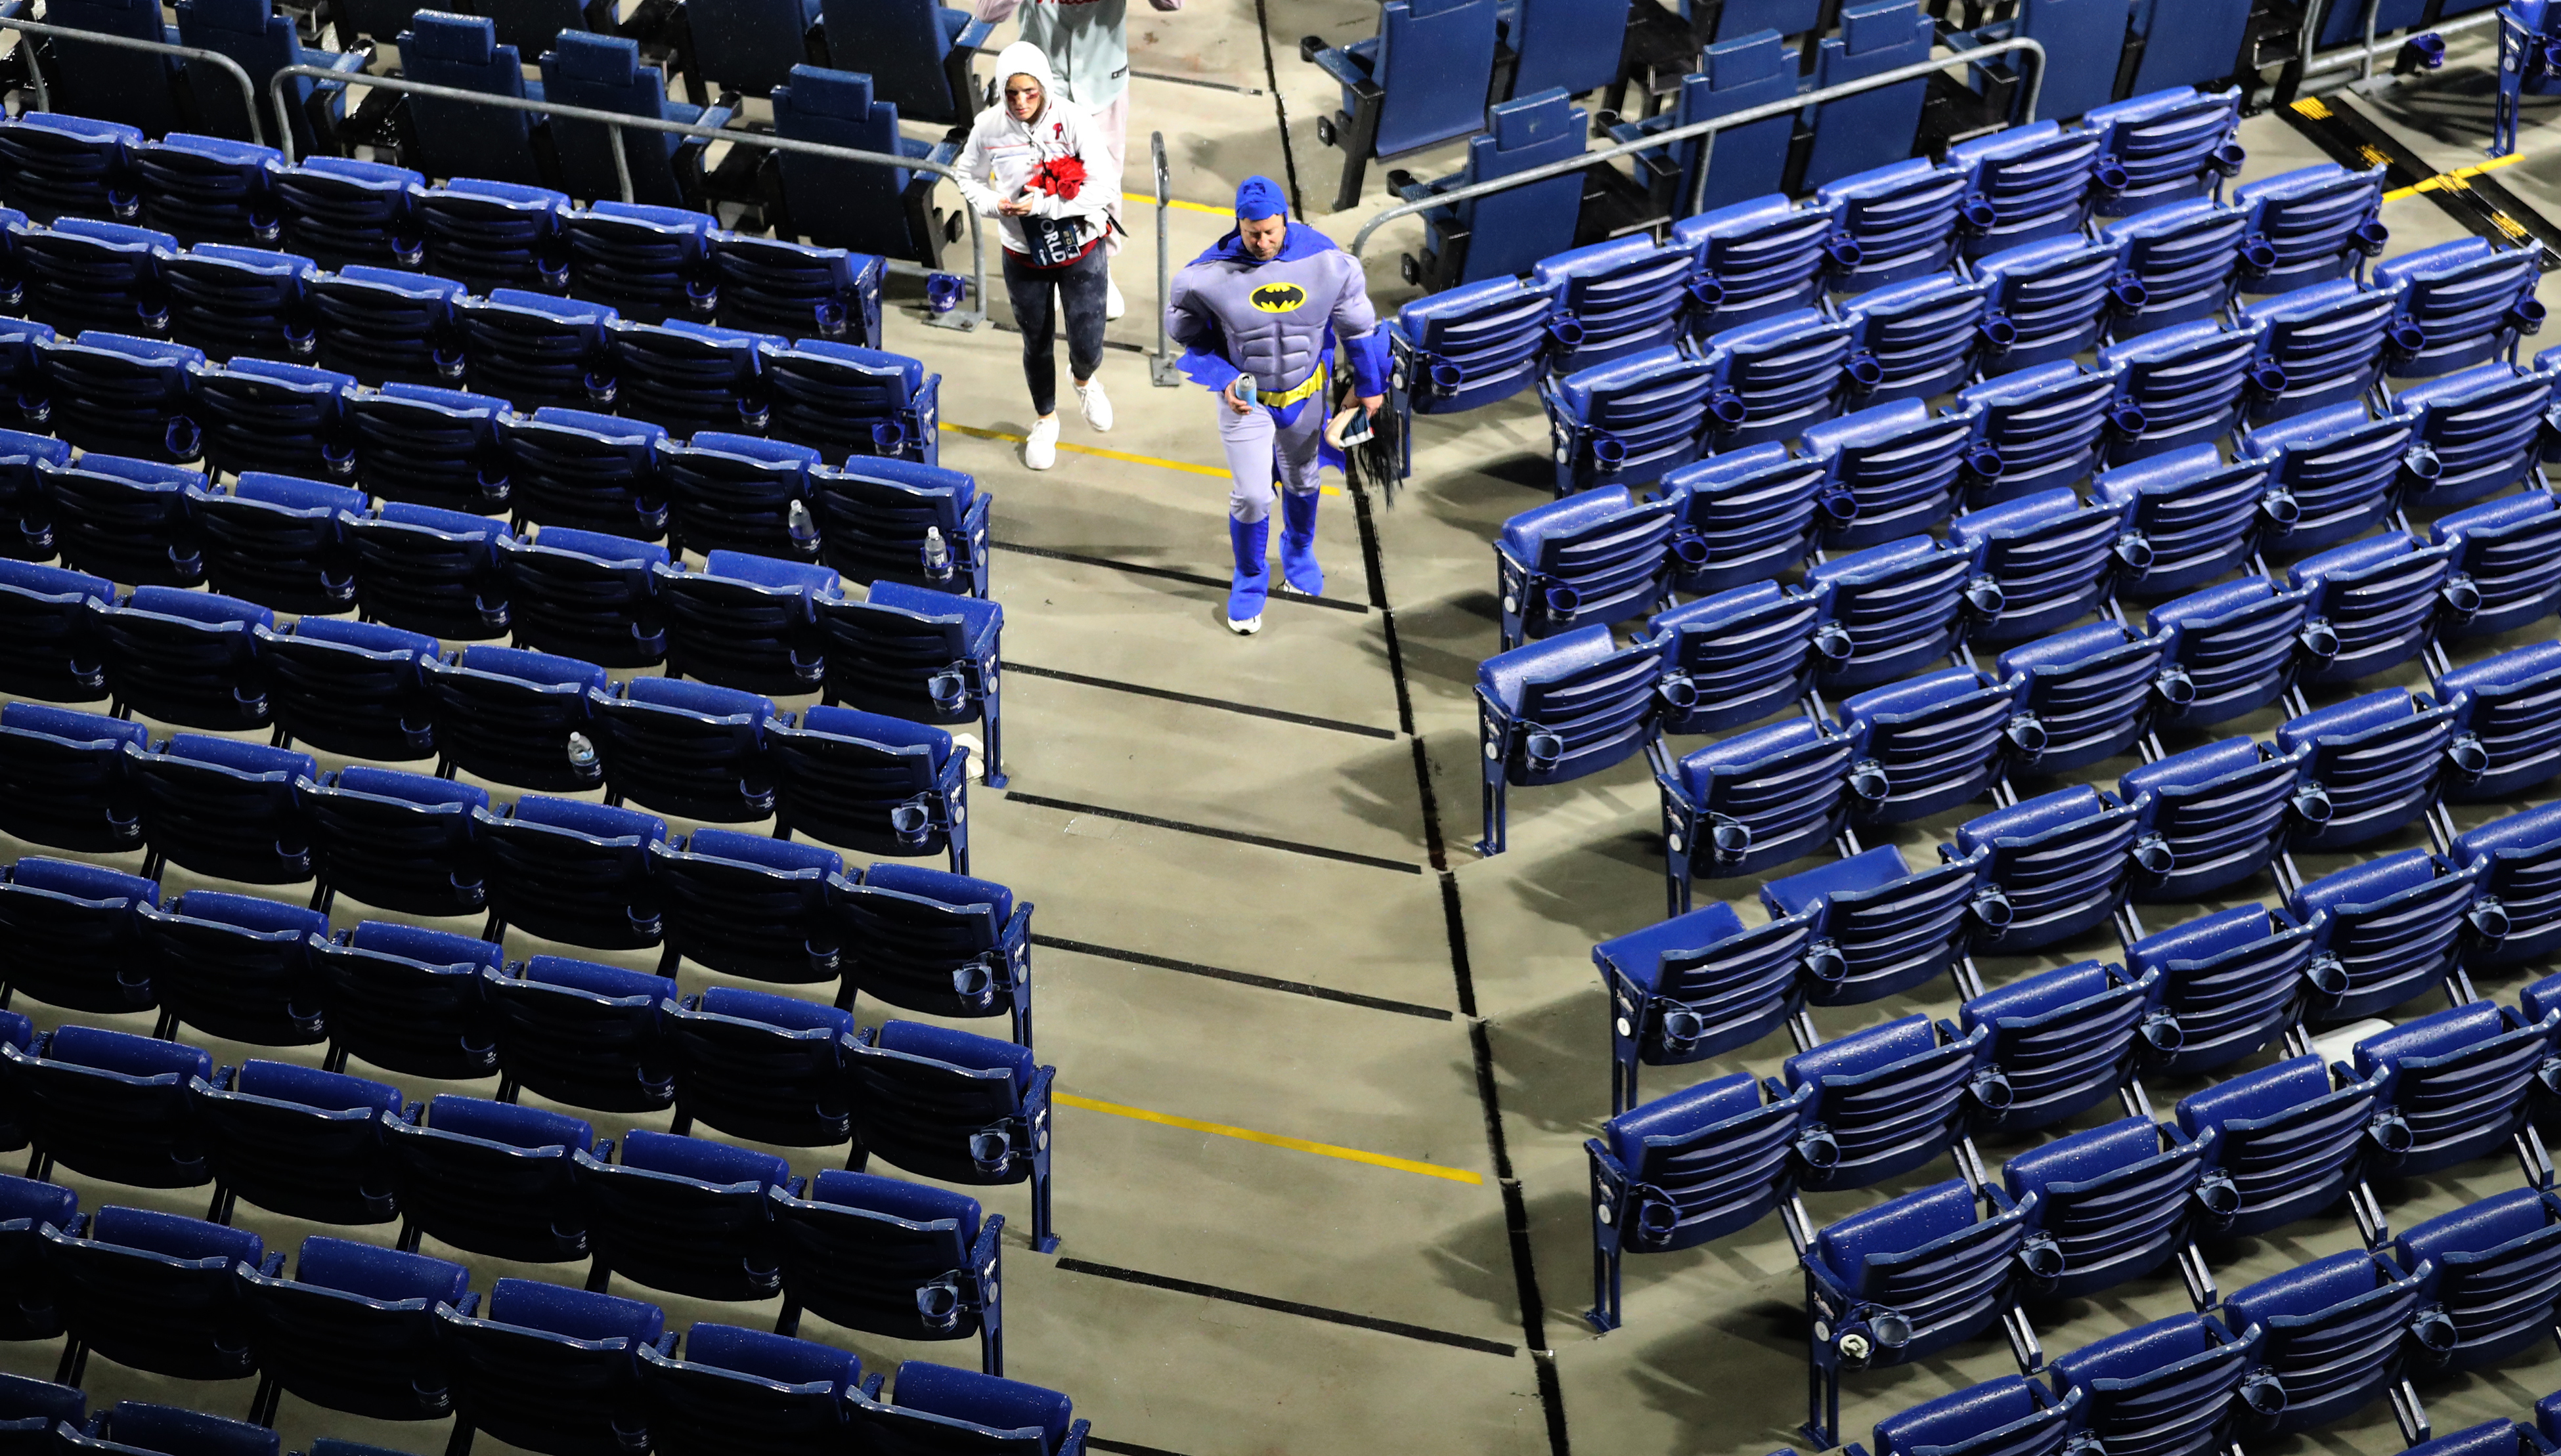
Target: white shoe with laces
(1040, 451)
(1097, 406)
(1113, 304)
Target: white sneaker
(1113, 304)
(1041, 450)
(1097, 406)
(1248, 627)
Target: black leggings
(1035, 292)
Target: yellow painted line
(1348, 1155)
(2455, 179)
(1200, 207)
(1185, 466)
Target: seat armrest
(1341, 66)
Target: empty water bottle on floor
(938, 557)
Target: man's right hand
(1229, 395)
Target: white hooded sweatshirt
(1002, 152)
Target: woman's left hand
(1012, 208)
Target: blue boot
(1245, 598)
(1299, 568)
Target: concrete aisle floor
(1319, 1171)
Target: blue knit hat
(1258, 198)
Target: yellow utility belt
(1307, 390)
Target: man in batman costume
(1266, 304)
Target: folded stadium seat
(2310, 225)
(221, 807)
(1551, 712)
(1931, 743)
(873, 784)
(1634, 420)
(2479, 432)
(2023, 184)
(341, 211)
(648, 263)
(249, 305)
(81, 273)
(1906, 1279)
(2234, 979)
(186, 657)
(1573, 45)
(296, 1141)
(883, 519)
(2054, 559)
(1619, 296)
(737, 1391)
(152, 1292)
(74, 929)
(122, 395)
(389, 326)
(603, 72)
(684, 1215)
(132, 1429)
(495, 235)
(2084, 41)
(1698, 985)
(750, 905)
(1888, 1099)
(109, 1104)
(352, 688)
(2286, 1142)
(2058, 865)
(2495, 1267)
(536, 350)
(691, 378)
(353, 1330)
(2092, 690)
(1880, 927)
(1598, 557)
(847, 399)
(688, 749)
(2504, 703)
(2515, 917)
(1900, 468)
(892, 1257)
(2384, 932)
(925, 656)
(55, 165)
(2383, 597)
(2215, 815)
(586, 472)
(132, 87)
(1875, 127)
(751, 49)
(1504, 235)
(1751, 259)
(62, 777)
(1420, 80)
(408, 999)
(944, 944)
(2460, 1081)
(2055, 297)
(1739, 656)
(488, 1176)
(746, 622)
(1758, 799)
(766, 1068)
(774, 286)
(1897, 221)
(549, 1369)
(2333, 473)
(954, 1107)
(2062, 1041)
(736, 494)
(403, 841)
(123, 519)
(565, 869)
(581, 1034)
(234, 966)
(2035, 429)
(1995, 1418)
(2188, 383)
(515, 717)
(1916, 340)
(430, 571)
(200, 189)
(2168, 142)
(285, 418)
(1902, 605)
(251, 32)
(2457, 304)
(2326, 341)
(2241, 646)
(2509, 552)
(26, 517)
(29, 1209)
(29, 1410)
(457, 139)
(2198, 517)
(2334, 1334)
(439, 448)
(2113, 1204)
(586, 593)
(2373, 762)
(931, 1399)
(1467, 347)
(883, 211)
(1746, 516)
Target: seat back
(2058, 863)
(1434, 60)
(1775, 378)
(2053, 559)
(763, 1066)
(2213, 816)
(2510, 706)
(2285, 1139)
(2327, 340)
(1880, 929)
(2494, 1266)
(1510, 231)
(1592, 701)
(838, 203)
(2036, 429)
(490, 1176)
(2456, 304)
(1889, 1099)
(2159, 1390)
(1900, 605)
(111, 83)
(604, 73)
(1709, 1160)
(1900, 468)
(2168, 141)
(1744, 654)
(2477, 433)
(1751, 259)
(1745, 68)
(2386, 930)
(2515, 914)
(1746, 516)
(1874, 127)
(864, 1251)
(2188, 383)
(2460, 1079)
(2506, 552)
(1762, 798)
(2116, 1201)
(1896, 222)
(1918, 339)
(584, 1034)
(2334, 1332)
(2233, 979)
(2240, 645)
(2091, 691)
(2024, 184)
(409, 1000)
(2062, 1041)
(458, 139)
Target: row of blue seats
(494, 1177)
(363, 219)
(446, 461)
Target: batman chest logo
(1278, 297)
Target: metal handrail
(1714, 124)
(2365, 54)
(1160, 364)
(614, 121)
(248, 87)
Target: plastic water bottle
(938, 557)
(1245, 389)
(803, 527)
(582, 752)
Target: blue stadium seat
(2286, 1141)
(746, 622)
(2506, 705)
(2372, 762)
(2035, 429)
(924, 656)
(488, 1176)
(251, 33)
(341, 211)
(879, 519)
(275, 539)
(408, 999)
(1900, 466)
(152, 1292)
(232, 966)
(510, 716)
(2024, 184)
(353, 1330)
(892, 1257)
(1931, 743)
(774, 286)
(735, 494)
(956, 1108)
(2479, 433)
(846, 399)
(2459, 1081)
(201, 189)
(62, 777)
(2235, 980)
(650, 262)
(691, 378)
(2011, 1416)
(1746, 516)
(2059, 864)
(2457, 304)
(430, 570)
(937, 1408)
(50, 648)
(2062, 1041)
(535, 350)
(750, 905)
(187, 657)
(1751, 259)
(132, 87)
(109, 1104)
(1696, 1165)
(53, 165)
(27, 1209)
(498, 234)
(133, 1428)
(587, 472)
(296, 1141)
(1391, 105)
(689, 749)
(1633, 421)
(2334, 1334)
(2383, 597)
(1880, 927)
(2167, 142)
(121, 396)
(2310, 225)
(233, 301)
(871, 783)
(2092, 690)
(125, 519)
(1897, 222)
(1875, 127)
(1598, 557)
(944, 944)
(2513, 859)
(2187, 382)
(2199, 517)
(2508, 551)
(1615, 298)
(1559, 710)
(26, 517)
(586, 594)
(1889, 1099)
(2326, 341)
(2054, 559)
(2084, 42)
(390, 325)
(684, 1215)
(1755, 800)
(740, 1392)
(1504, 235)
(2495, 1266)
(457, 139)
(2215, 815)
(1468, 347)
(225, 808)
(2055, 297)
(403, 841)
(2116, 1203)
(581, 1034)
(1695, 986)
(29, 1410)
(1572, 45)
(2166, 1389)
(565, 869)
(762, 1067)
(1900, 606)
(883, 211)
(2333, 473)
(751, 46)
(603, 72)
(353, 688)
(549, 1369)
(921, 52)
(1737, 656)
(1917, 339)
(2384, 932)
(76, 932)
(2239, 646)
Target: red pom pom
(1061, 177)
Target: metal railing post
(248, 87)
(2347, 56)
(1715, 124)
(969, 318)
(1160, 364)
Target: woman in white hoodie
(1038, 165)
